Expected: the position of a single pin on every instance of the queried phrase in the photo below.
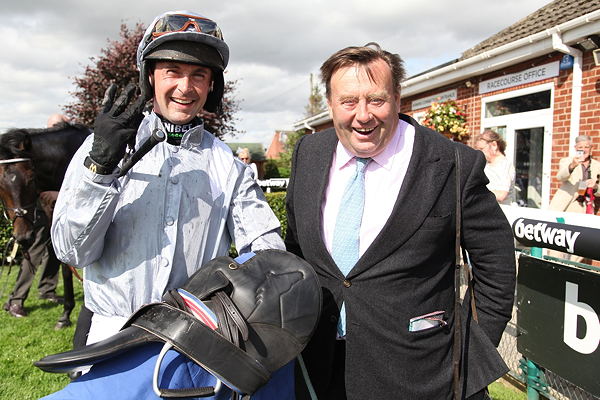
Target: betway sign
(572, 239)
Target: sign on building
(530, 75)
(437, 98)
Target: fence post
(532, 380)
(536, 252)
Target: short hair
(489, 136)
(244, 152)
(583, 138)
(363, 56)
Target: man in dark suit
(371, 205)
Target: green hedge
(5, 230)
(276, 201)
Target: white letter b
(589, 343)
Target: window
(519, 104)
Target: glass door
(524, 119)
(528, 156)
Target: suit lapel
(425, 177)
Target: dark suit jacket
(406, 272)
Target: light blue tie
(346, 239)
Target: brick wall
(469, 99)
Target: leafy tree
(316, 104)
(117, 63)
(284, 163)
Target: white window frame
(529, 119)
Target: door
(524, 119)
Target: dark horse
(34, 161)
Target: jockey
(140, 232)
(182, 204)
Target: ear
(397, 99)
(151, 78)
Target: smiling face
(180, 90)
(364, 108)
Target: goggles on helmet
(185, 23)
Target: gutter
(311, 121)
(557, 44)
(307, 126)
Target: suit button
(347, 283)
(333, 319)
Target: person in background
(181, 204)
(578, 191)
(578, 177)
(371, 205)
(246, 157)
(498, 169)
(56, 119)
(39, 255)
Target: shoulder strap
(457, 345)
(458, 266)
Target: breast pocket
(434, 223)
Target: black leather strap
(459, 266)
(203, 345)
(457, 342)
(233, 313)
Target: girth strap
(203, 345)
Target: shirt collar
(385, 159)
(191, 138)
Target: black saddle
(266, 309)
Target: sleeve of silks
(251, 222)
(83, 211)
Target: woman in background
(499, 170)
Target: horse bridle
(19, 212)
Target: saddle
(240, 319)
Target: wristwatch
(95, 167)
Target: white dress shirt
(383, 178)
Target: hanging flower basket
(448, 119)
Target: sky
(275, 46)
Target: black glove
(115, 125)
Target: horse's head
(18, 191)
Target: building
(276, 147)
(537, 83)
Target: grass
(25, 340)
(502, 391)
